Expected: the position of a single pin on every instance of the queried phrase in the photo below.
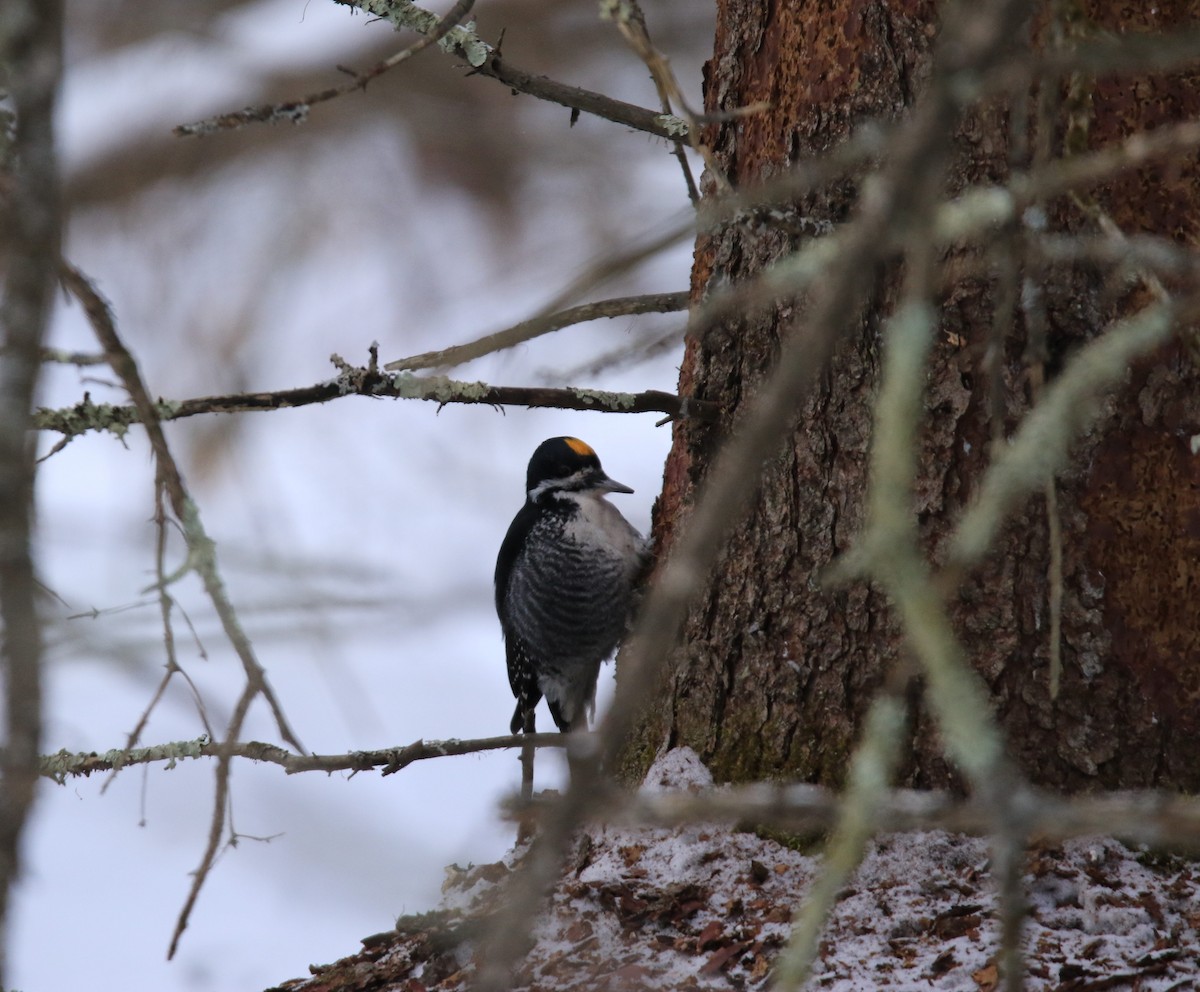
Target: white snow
(706, 907)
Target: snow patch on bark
(679, 768)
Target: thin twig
(631, 22)
(1054, 581)
(201, 558)
(628, 355)
(64, 764)
(165, 606)
(296, 111)
(216, 827)
(201, 548)
(485, 60)
(527, 330)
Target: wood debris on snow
(708, 907)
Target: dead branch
(296, 111)
(64, 764)
(87, 416)
(527, 330)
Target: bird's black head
(566, 464)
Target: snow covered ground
(707, 907)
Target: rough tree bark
(776, 669)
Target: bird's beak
(605, 484)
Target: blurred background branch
(31, 39)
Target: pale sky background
(357, 538)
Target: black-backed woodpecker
(565, 581)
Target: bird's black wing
(522, 678)
(510, 548)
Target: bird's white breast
(599, 524)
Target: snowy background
(358, 537)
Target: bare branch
(485, 60)
(201, 548)
(631, 22)
(296, 111)
(639, 118)
(64, 764)
(87, 416)
(1157, 818)
(527, 330)
(1104, 53)
(202, 558)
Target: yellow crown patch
(578, 446)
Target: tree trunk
(776, 669)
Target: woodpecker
(564, 583)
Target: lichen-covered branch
(87, 415)
(64, 765)
(485, 60)
(971, 217)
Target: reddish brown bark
(776, 670)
